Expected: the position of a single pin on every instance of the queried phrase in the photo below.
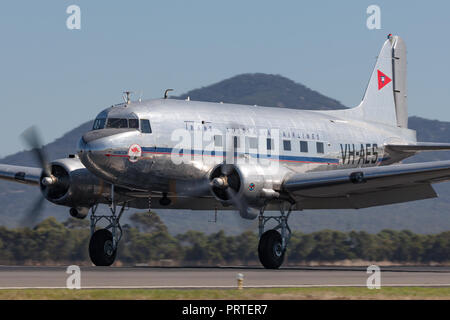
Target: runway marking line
(230, 287)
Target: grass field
(249, 293)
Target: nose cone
(82, 145)
(94, 150)
(101, 140)
(93, 154)
(90, 144)
(104, 152)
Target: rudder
(400, 87)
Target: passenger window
(117, 123)
(99, 124)
(236, 142)
(269, 144)
(287, 145)
(133, 123)
(145, 126)
(252, 142)
(303, 146)
(217, 140)
(319, 146)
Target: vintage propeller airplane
(182, 154)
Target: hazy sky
(58, 78)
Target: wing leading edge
(27, 175)
(366, 187)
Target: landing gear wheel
(270, 249)
(101, 248)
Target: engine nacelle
(247, 184)
(73, 186)
(79, 213)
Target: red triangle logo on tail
(382, 80)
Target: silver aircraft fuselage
(301, 141)
(182, 154)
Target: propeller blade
(33, 139)
(226, 169)
(244, 224)
(33, 214)
(238, 202)
(199, 189)
(241, 205)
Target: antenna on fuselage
(126, 96)
(166, 93)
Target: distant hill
(60, 148)
(264, 90)
(430, 131)
(428, 216)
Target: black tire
(269, 250)
(100, 248)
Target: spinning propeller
(48, 183)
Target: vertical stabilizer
(385, 97)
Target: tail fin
(385, 99)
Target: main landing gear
(104, 242)
(272, 244)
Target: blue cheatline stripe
(254, 155)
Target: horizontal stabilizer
(418, 147)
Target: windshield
(117, 123)
(99, 123)
(122, 123)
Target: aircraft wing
(27, 175)
(366, 187)
(419, 146)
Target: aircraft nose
(92, 143)
(82, 145)
(96, 147)
(93, 154)
(98, 134)
(96, 139)
(104, 152)
(83, 148)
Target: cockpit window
(117, 123)
(99, 123)
(120, 123)
(133, 123)
(145, 126)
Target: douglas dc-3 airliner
(182, 154)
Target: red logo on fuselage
(134, 152)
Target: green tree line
(146, 240)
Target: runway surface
(225, 277)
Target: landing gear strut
(272, 244)
(104, 242)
